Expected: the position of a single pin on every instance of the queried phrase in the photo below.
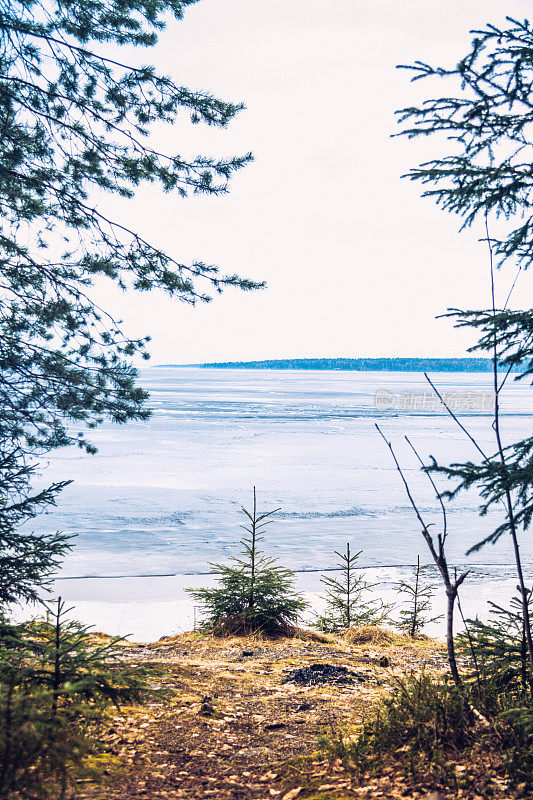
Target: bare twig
(454, 416)
(439, 557)
(437, 493)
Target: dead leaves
(293, 793)
(229, 725)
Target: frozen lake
(163, 498)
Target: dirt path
(234, 729)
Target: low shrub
(426, 725)
(422, 714)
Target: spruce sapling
(346, 604)
(419, 593)
(254, 593)
(498, 650)
(56, 682)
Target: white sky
(357, 264)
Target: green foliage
(499, 682)
(73, 660)
(37, 748)
(254, 593)
(483, 120)
(74, 121)
(425, 722)
(422, 715)
(496, 652)
(488, 173)
(56, 682)
(509, 335)
(419, 593)
(27, 559)
(348, 599)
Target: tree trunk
(251, 597)
(451, 594)
(415, 609)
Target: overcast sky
(357, 264)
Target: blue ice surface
(164, 497)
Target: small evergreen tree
(347, 600)
(417, 612)
(55, 685)
(498, 651)
(254, 593)
(71, 658)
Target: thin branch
(437, 493)
(455, 417)
(407, 489)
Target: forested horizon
(389, 364)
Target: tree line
(414, 364)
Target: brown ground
(233, 730)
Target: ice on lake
(163, 498)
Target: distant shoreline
(355, 364)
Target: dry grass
(238, 625)
(234, 638)
(371, 634)
(233, 723)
